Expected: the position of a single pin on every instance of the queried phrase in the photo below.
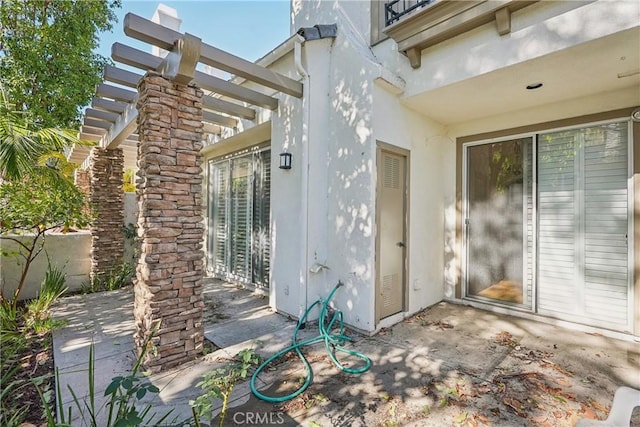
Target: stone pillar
(168, 287)
(83, 182)
(106, 169)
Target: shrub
(219, 384)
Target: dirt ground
(520, 382)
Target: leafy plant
(118, 278)
(124, 395)
(9, 315)
(48, 60)
(219, 384)
(18, 324)
(11, 412)
(129, 181)
(30, 208)
(27, 149)
(53, 286)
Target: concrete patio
(448, 365)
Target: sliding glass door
(546, 224)
(583, 258)
(498, 194)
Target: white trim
(534, 225)
(465, 233)
(631, 229)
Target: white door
(392, 185)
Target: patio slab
(444, 366)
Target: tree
(47, 62)
(30, 208)
(35, 194)
(27, 149)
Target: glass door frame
(527, 305)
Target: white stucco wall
(349, 114)
(431, 191)
(537, 30)
(69, 252)
(323, 209)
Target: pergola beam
(219, 119)
(108, 105)
(211, 128)
(232, 90)
(115, 93)
(230, 108)
(100, 115)
(90, 137)
(131, 79)
(120, 76)
(92, 130)
(122, 128)
(145, 61)
(96, 123)
(165, 38)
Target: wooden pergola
(156, 121)
(110, 121)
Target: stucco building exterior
(481, 152)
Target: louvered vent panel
(391, 172)
(389, 284)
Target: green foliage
(52, 287)
(12, 413)
(9, 315)
(31, 207)
(26, 148)
(118, 278)
(46, 55)
(219, 384)
(129, 181)
(123, 405)
(36, 204)
(18, 325)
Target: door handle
(400, 244)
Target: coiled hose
(332, 342)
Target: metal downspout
(306, 104)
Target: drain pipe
(306, 113)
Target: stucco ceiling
(581, 71)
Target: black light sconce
(285, 160)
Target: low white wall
(130, 208)
(70, 252)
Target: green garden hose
(332, 342)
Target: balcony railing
(396, 9)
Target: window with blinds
(239, 218)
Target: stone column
(83, 182)
(168, 287)
(106, 203)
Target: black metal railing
(396, 9)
